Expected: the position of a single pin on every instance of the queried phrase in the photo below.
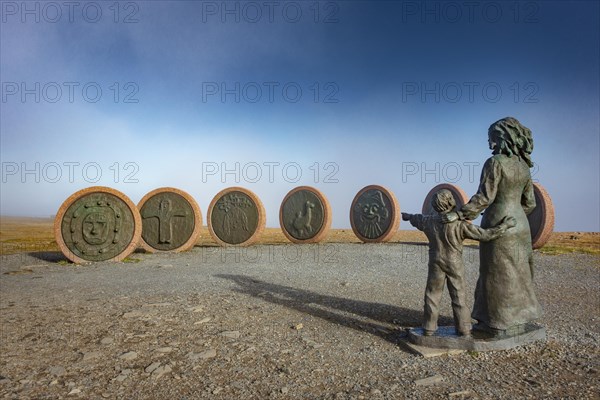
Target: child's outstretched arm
(416, 220)
(472, 231)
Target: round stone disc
(97, 224)
(171, 220)
(541, 219)
(459, 196)
(305, 215)
(236, 216)
(375, 214)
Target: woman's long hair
(512, 138)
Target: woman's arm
(528, 197)
(488, 187)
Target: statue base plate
(446, 338)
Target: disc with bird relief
(305, 215)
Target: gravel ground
(289, 321)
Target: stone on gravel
(430, 380)
(133, 314)
(203, 321)
(161, 304)
(92, 355)
(461, 393)
(231, 334)
(429, 352)
(165, 350)
(107, 340)
(74, 392)
(160, 371)
(210, 353)
(128, 356)
(123, 375)
(150, 368)
(57, 370)
(311, 343)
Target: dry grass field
(19, 234)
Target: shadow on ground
(49, 256)
(390, 319)
(414, 243)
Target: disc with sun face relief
(375, 214)
(305, 215)
(97, 224)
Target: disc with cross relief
(171, 220)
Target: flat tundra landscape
(276, 321)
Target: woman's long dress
(504, 295)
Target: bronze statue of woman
(504, 296)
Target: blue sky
(346, 94)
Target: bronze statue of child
(446, 259)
